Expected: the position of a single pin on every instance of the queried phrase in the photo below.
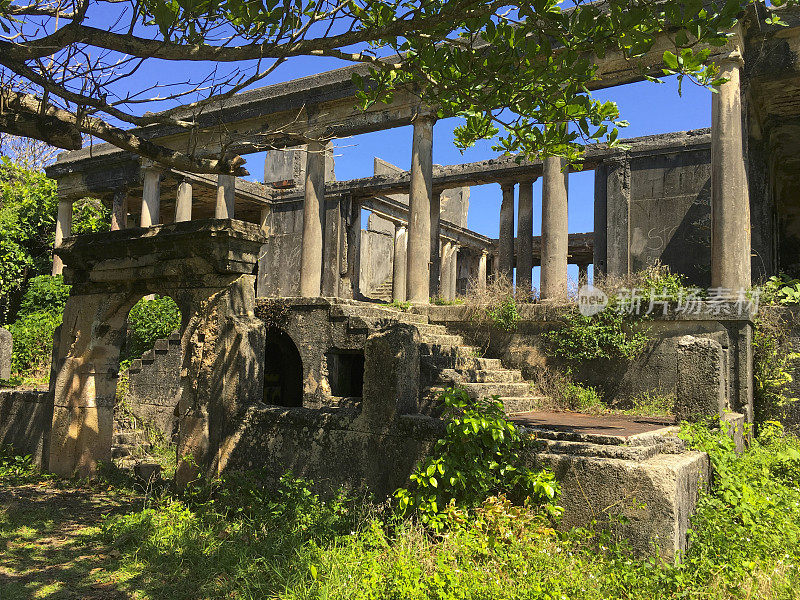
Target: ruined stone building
(281, 359)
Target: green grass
(237, 539)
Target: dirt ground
(51, 544)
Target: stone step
(579, 448)
(470, 362)
(439, 350)
(125, 450)
(428, 329)
(482, 375)
(442, 339)
(370, 311)
(522, 404)
(429, 402)
(128, 437)
(485, 390)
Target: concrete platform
(621, 426)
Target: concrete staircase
(447, 361)
(383, 292)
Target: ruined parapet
(6, 346)
(25, 417)
(391, 375)
(701, 382)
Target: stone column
(617, 212)
(399, 264)
(436, 260)
(506, 242)
(730, 203)
(447, 257)
(151, 196)
(313, 221)
(119, 209)
(481, 277)
(419, 217)
(555, 232)
(452, 286)
(583, 274)
(226, 197)
(183, 202)
(354, 248)
(525, 239)
(63, 230)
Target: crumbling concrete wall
(205, 266)
(374, 450)
(25, 417)
(654, 204)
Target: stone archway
(207, 268)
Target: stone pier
(506, 242)
(525, 239)
(313, 221)
(226, 197)
(419, 220)
(555, 232)
(183, 202)
(730, 202)
(151, 196)
(399, 264)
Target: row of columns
(555, 232)
(444, 264)
(151, 206)
(730, 255)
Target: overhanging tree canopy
(518, 69)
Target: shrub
(33, 342)
(45, 293)
(780, 289)
(478, 457)
(772, 361)
(28, 206)
(90, 215)
(148, 321)
(604, 335)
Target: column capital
(507, 184)
(733, 57)
(424, 114)
(150, 165)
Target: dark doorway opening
(283, 370)
(346, 373)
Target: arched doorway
(283, 370)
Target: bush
(148, 321)
(33, 342)
(28, 206)
(45, 293)
(478, 457)
(604, 335)
(780, 289)
(772, 362)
